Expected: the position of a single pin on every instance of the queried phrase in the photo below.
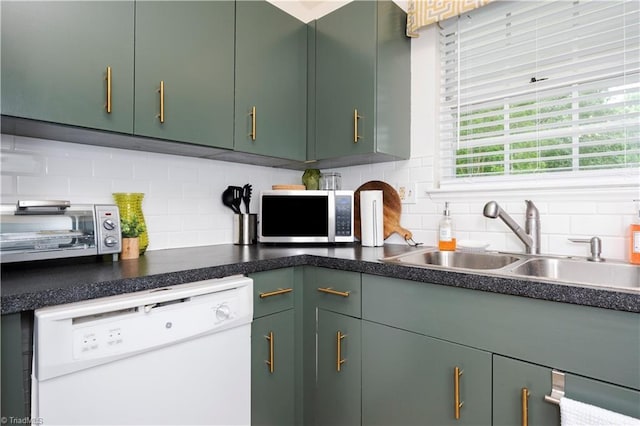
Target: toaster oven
(39, 230)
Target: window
(540, 88)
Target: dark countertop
(28, 286)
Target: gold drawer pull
(108, 78)
(456, 391)
(329, 290)
(339, 360)
(356, 117)
(525, 406)
(276, 292)
(252, 135)
(270, 361)
(161, 91)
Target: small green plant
(131, 227)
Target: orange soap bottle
(446, 240)
(634, 243)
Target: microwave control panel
(344, 215)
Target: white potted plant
(131, 229)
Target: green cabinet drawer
(273, 291)
(605, 344)
(338, 291)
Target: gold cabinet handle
(275, 292)
(456, 392)
(252, 135)
(356, 117)
(329, 290)
(161, 91)
(108, 79)
(339, 360)
(525, 406)
(270, 361)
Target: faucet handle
(596, 247)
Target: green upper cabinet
(55, 57)
(362, 83)
(188, 47)
(271, 81)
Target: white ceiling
(308, 10)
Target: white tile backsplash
(182, 203)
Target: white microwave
(299, 216)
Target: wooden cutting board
(392, 208)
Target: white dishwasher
(177, 355)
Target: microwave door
(287, 218)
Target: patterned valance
(421, 13)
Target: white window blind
(532, 87)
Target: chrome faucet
(530, 236)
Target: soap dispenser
(446, 240)
(634, 243)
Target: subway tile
(21, 163)
(65, 166)
(596, 226)
(45, 186)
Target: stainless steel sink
(454, 259)
(602, 274)
(563, 270)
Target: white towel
(578, 413)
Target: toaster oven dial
(110, 241)
(109, 225)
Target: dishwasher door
(178, 355)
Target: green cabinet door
(14, 401)
(512, 378)
(362, 77)
(410, 379)
(55, 57)
(272, 370)
(338, 381)
(188, 46)
(271, 81)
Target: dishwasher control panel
(153, 325)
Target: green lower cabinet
(272, 370)
(410, 379)
(519, 389)
(511, 379)
(14, 398)
(338, 381)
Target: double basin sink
(608, 274)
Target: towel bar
(557, 388)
